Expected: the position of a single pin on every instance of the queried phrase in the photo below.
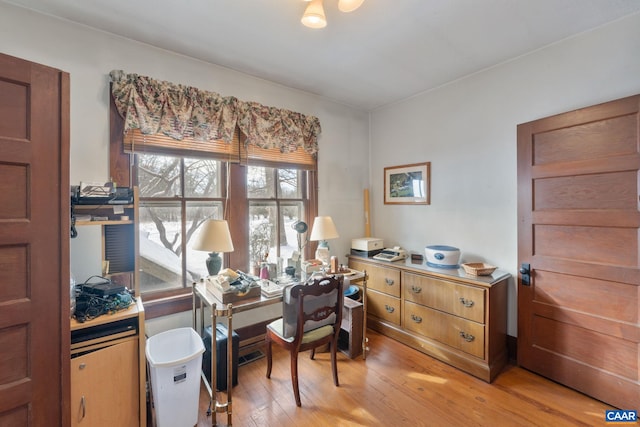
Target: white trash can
(175, 360)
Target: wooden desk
(206, 298)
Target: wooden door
(34, 244)
(578, 225)
(105, 390)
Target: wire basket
(478, 268)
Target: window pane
(289, 184)
(158, 176)
(291, 213)
(260, 183)
(201, 178)
(262, 229)
(160, 247)
(197, 213)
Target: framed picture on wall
(407, 184)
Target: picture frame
(408, 184)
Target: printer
(366, 246)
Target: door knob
(525, 274)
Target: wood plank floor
(398, 386)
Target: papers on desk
(270, 289)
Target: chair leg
(268, 358)
(312, 354)
(334, 364)
(294, 376)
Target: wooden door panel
(604, 299)
(613, 246)
(34, 248)
(600, 384)
(13, 107)
(13, 270)
(578, 343)
(13, 181)
(582, 141)
(578, 228)
(613, 190)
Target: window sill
(169, 305)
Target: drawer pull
(416, 319)
(416, 289)
(467, 337)
(389, 282)
(466, 302)
(389, 308)
(82, 405)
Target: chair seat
(277, 326)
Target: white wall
(467, 130)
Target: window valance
(269, 127)
(177, 111)
(180, 112)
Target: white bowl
(442, 256)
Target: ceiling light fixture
(349, 5)
(314, 13)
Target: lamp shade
(323, 229)
(349, 5)
(314, 15)
(214, 236)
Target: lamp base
(322, 253)
(214, 262)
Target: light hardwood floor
(399, 386)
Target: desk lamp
(214, 237)
(323, 230)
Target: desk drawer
(383, 306)
(381, 279)
(460, 300)
(450, 330)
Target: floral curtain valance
(174, 110)
(269, 127)
(183, 111)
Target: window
(177, 194)
(277, 200)
(179, 191)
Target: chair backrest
(312, 305)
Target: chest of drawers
(452, 316)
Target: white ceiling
(385, 51)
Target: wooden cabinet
(455, 317)
(108, 370)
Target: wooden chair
(312, 314)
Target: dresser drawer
(453, 331)
(460, 300)
(383, 306)
(381, 279)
